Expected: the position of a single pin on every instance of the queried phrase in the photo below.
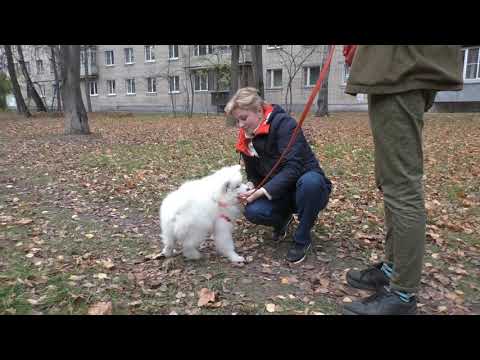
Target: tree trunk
(57, 81)
(21, 106)
(87, 87)
(76, 119)
(36, 98)
(322, 100)
(234, 73)
(257, 63)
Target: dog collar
(223, 216)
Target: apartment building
(164, 78)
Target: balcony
(92, 71)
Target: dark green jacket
(390, 69)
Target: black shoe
(279, 235)
(383, 302)
(297, 253)
(371, 278)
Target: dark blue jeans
(310, 197)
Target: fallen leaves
(205, 297)
(100, 308)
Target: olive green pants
(396, 121)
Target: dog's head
(232, 183)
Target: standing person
(299, 185)
(401, 82)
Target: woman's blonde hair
(246, 99)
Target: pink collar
(223, 216)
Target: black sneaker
(279, 235)
(371, 278)
(297, 253)
(383, 302)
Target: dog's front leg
(224, 241)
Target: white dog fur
(203, 207)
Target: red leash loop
(314, 93)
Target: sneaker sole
(303, 258)
(350, 312)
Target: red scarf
(263, 128)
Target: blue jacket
(299, 159)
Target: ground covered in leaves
(79, 229)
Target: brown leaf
(24, 221)
(100, 308)
(205, 297)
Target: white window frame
(465, 58)
(273, 47)
(198, 75)
(272, 79)
(173, 49)
(208, 50)
(126, 52)
(307, 79)
(176, 84)
(42, 90)
(130, 85)
(39, 61)
(109, 88)
(150, 50)
(151, 81)
(93, 57)
(107, 58)
(93, 85)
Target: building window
(93, 88)
(174, 84)
(93, 57)
(471, 63)
(109, 60)
(111, 87)
(173, 52)
(42, 90)
(27, 65)
(37, 53)
(39, 66)
(151, 85)
(200, 80)
(52, 66)
(274, 78)
(149, 53)
(130, 86)
(201, 50)
(345, 74)
(129, 58)
(310, 75)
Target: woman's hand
(251, 196)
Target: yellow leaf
(284, 280)
(205, 296)
(100, 308)
(270, 307)
(346, 299)
(89, 236)
(108, 264)
(24, 221)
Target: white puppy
(200, 208)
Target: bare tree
(292, 57)
(54, 56)
(17, 92)
(76, 119)
(257, 67)
(322, 100)
(87, 82)
(30, 88)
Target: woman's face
(247, 120)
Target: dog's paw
(236, 258)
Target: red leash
(314, 93)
